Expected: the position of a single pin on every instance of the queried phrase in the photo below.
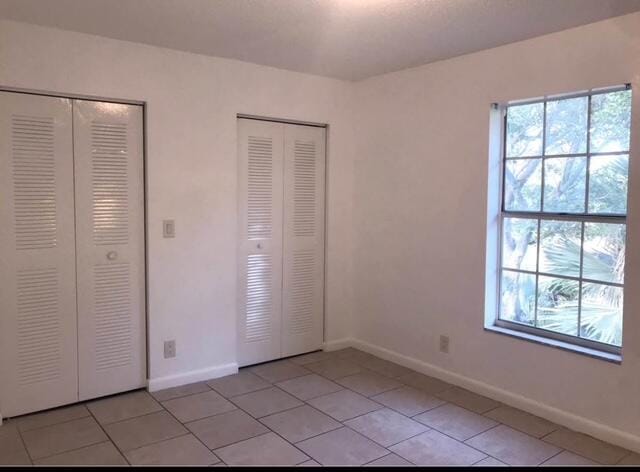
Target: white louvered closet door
(108, 147)
(38, 357)
(303, 249)
(260, 172)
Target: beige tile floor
(332, 408)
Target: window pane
(520, 243)
(601, 315)
(608, 180)
(560, 247)
(610, 121)
(522, 189)
(524, 130)
(566, 131)
(558, 305)
(566, 274)
(604, 254)
(517, 300)
(565, 184)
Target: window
(563, 218)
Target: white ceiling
(347, 39)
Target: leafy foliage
(589, 309)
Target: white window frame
(540, 215)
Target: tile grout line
(108, 440)
(107, 434)
(54, 424)
(132, 417)
(499, 423)
(188, 431)
(264, 416)
(497, 426)
(306, 403)
(269, 429)
(578, 454)
(387, 455)
(24, 444)
(342, 422)
(623, 458)
(402, 385)
(558, 427)
(67, 450)
(390, 445)
(185, 395)
(555, 455)
(411, 418)
(236, 407)
(273, 385)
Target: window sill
(585, 351)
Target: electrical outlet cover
(168, 229)
(169, 349)
(444, 344)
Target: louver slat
(303, 261)
(259, 303)
(301, 293)
(108, 142)
(260, 174)
(112, 305)
(34, 181)
(260, 184)
(110, 183)
(39, 334)
(304, 188)
(38, 323)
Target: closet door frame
(145, 185)
(327, 164)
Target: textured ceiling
(347, 39)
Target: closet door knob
(259, 245)
(112, 255)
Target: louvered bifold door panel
(260, 160)
(303, 249)
(108, 139)
(38, 355)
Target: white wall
(421, 219)
(192, 102)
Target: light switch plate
(168, 229)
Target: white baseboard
(337, 344)
(192, 376)
(555, 415)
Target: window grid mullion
(578, 154)
(544, 152)
(535, 316)
(586, 210)
(540, 215)
(576, 217)
(569, 96)
(502, 213)
(566, 277)
(586, 186)
(580, 281)
(542, 172)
